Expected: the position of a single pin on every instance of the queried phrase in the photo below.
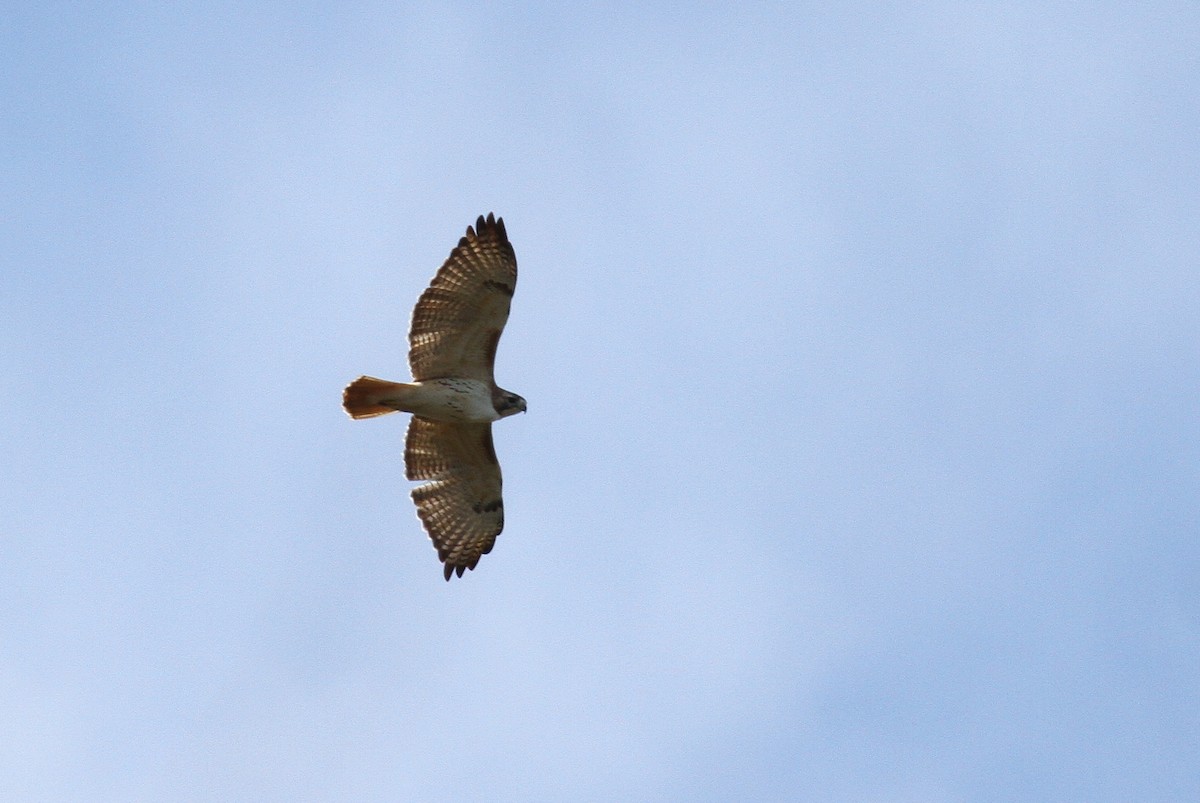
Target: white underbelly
(458, 400)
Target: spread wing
(460, 506)
(458, 319)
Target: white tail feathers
(362, 397)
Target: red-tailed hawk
(453, 396)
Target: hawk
(453, 397)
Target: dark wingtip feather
(451, 569)
(490, 222)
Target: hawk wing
(458, 319)
(460, 506)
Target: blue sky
(860, 346)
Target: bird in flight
(453, 397)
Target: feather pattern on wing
(457, 322)
(460, 505)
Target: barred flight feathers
(460, 504)
(458, 320)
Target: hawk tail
(362, 398)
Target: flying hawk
(453, 396)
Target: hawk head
(507, 403)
